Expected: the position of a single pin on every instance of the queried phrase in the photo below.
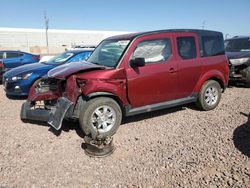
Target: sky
(228, 16)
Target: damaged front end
(239, 69)
(46, 102)
(56, 97)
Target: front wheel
(209, 96)
(100, 117)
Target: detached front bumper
(54, 116)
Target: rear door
(156, 81)
(188, 62)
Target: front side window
(212, 45)
(11, 54)
(153, 51)
(1, 55)
(237, 45)
(109, 52)
(186, 47)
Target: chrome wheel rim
(103, 118)
(211, 95)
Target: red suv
(132, 74)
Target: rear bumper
(54, 116)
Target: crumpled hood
(237, 55)
(63, 71)
(30, 68)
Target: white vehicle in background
(46, 58)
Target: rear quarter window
(212, 46)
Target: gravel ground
(178, 147)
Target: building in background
(34, 40)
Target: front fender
(101, 87)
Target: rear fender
(211, 75)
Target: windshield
(109, 52)
(237, 45)
(60, 59)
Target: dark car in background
(238, 53)
(18, 81)
(10, 59)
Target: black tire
(248, 76)
(88, 111)
(201, 101)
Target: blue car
(11, 59)
(18, 81)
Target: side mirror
(137, 62)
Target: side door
(12, 60)
(188, 63)
(156, 81)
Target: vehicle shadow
(152, 114)
(68, 126)
(241, 136)
(16, 97)
(237, 85)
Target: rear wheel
(100, 117)
(209, 96)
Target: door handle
(172, 70)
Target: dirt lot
(178, 147)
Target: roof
(135, 35)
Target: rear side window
(12, 54)
(186, 47)
(153, 51)
(212, 45)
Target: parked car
(18, 81)
(238, 53)
(11, 59)
(132, 74)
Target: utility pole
(46, 20)
(203, 24)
